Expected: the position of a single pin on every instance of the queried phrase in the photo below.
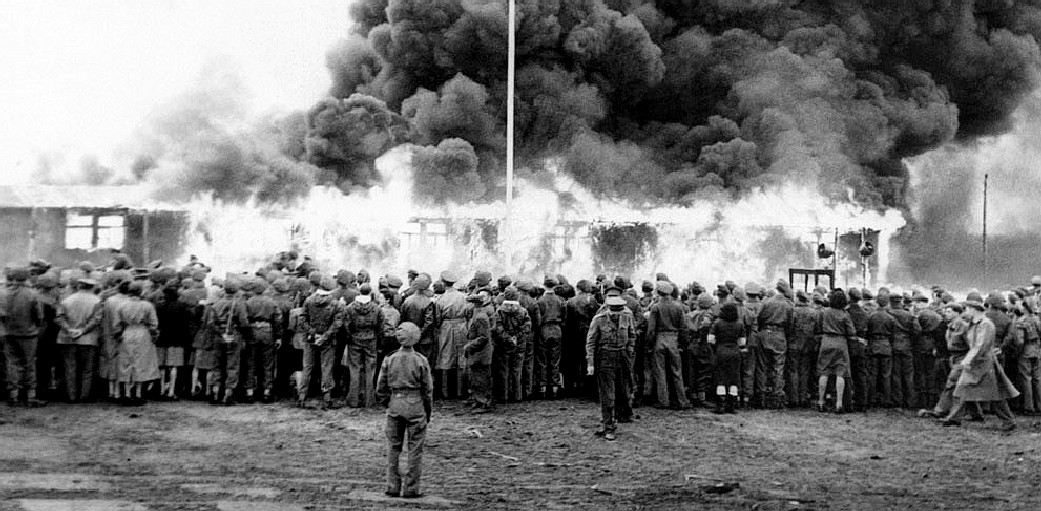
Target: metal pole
(986, 274)
(510, 65)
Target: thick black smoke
(675, 98)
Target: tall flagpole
(510, 63)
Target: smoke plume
(673, 99)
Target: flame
(375, 229)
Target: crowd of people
(292, 331)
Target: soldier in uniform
(321, 318)
(699, 360)
(530, 378)
(228, 325)
(478, 350)
(363, 319)
(750, 314)
(776, 322)
(906, 330)
(800, 351)
(406, 386)
(880, 332)
(580, 311)
(666, 324)
(856, 389)
(510, 333)
(418, 309)
(265, 323)
(553, 313)
(609, 351)
(22, 316)
(450, 310)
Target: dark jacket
(22, 313)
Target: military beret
(622, 282)
(995, 299)
(854, 295)
(407, 334)
(752, 288)
(315, 277)
(231, 287)
(136, 288)
(584, 286)
(46, 281)
(647, 286)
(802, 296)
(525, 285)
(661, 276)
(511, 293)
(549, 282)
(664, 288)
(199, 275)
(394, 282)
(422, 282)
(439, 287)
(866, 293)
(730, 285)
(739, 295)
(705, 301)
(328, 284)
(449, 277)
(18, 274)
(281, 285)
(482, 278)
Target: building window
(89, 231)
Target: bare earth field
(539, 455)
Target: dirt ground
(534, 455)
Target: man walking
(609, 353)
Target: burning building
(68, 224)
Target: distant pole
(510, 65)
(986, 274)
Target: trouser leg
(605, 375)
(1035, 383)
(1026, 386)
(417, 431)
(885, 374)
(87, 358)
(527, 376)
(676, 374)
(369, 371)
(660, 379)
(516, 373)
(551, 349)
(623, 389)
(305, 372)
(233, 354)
(328, 361)
(268, 353)
(354, 367)
(501, 375)
(749, 372)
(395, 431)
(68, 356)
(795, 380)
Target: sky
(79, 76)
